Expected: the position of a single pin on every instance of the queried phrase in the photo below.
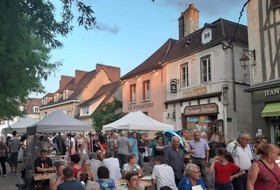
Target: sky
(129, 32)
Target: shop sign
(272, 92)
(201, 109)
(195, 92)
(141, 106)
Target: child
(224, 170)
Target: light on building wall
(244, 60)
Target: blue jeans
(140, 159)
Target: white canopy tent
(57, 121)
(137, 121)
(20, 125)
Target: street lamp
(244, 60)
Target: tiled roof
(30, 103)
(107, 88)
(221, 30)
(76, 88)
(153, 62)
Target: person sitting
(113, 165)
(92, 185)
(86, 174)
(132, 179)
(163, 174)
(94, 162)
(104, 180)
(70, 183)
(132, 165)
(75, 159)
(43, 164)
(57, 178)
(192, 177)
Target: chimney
(188, 21)
(78, 75)
(64, 81)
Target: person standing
(200, 154)
(264, 173)
(225, 170)
(134, 144)
(14, 146)
(123, 148)
(3, 150)
(112, 144)
(141, 150)
(70, 183)
(242, 156)
(185, 137)
(174, 157)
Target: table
(42, 176)
(122, 182)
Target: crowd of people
(208, 164)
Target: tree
(27, 34)
(107, 114)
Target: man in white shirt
(242, 156)
(163, 174)
(113, 165)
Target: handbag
(270, 171)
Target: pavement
(9, 182)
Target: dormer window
(45, 101)
(55, 97)
(36, 109)
(206, 36)
(85, 110)
(65, 94)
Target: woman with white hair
(191, 178)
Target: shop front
(266, 112)
(202, 118)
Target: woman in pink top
(259, 176)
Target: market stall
(57, 121)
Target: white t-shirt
(114, 167)
(164, 176)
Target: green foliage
(27, 34)
(107, 114)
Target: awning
(271, 109)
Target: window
(185, 75)
(206, 36)
(85, 110)
(133, 93)
(55, 97)
(275, 4)
(36, 109)
(146, 90)
(45, 101)
(65, 94)
(205, 69)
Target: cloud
(108, 28)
